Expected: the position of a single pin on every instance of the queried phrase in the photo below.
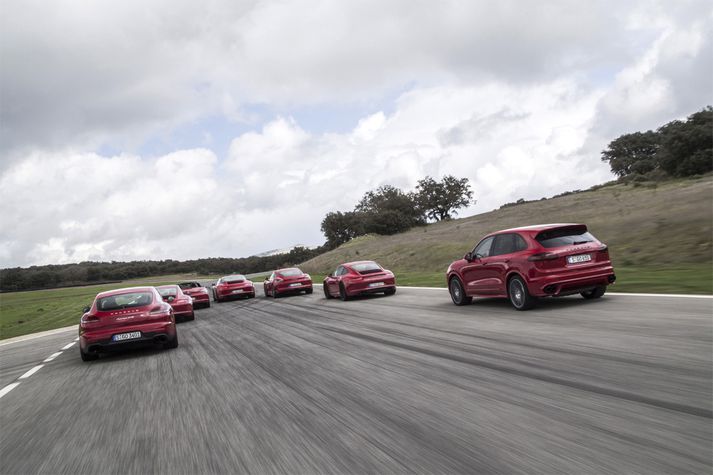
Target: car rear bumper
(287, 287)
(200, 298)
(365, 287)
(151, 333)
(561, 284)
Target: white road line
(32, 336)
(76, 339)
(52, 356)
(68, 346)
(31, 372)
(8, 388)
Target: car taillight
(89, 319)
(159, 310)
(307, 276)
(542, 256)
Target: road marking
(68, 346)
(76, 339)
(8, 388)
(32, 336)
(52, 356)
(31, 372)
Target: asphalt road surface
(402, 384)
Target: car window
(167, 291)
(367, 267)
(290, 272)
(483, 249)
(507, 244)
(121, 301)
(341, 270)
(564, 237)
(272, 277)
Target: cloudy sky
(172, 129)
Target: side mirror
(170, 298)
(86, 309)
(468, 256)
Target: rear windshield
(367, 268)
(233, 278)
(189, 285)
(290, 272)
(564, 237)
(167, 291)
(118, 302)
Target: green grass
(29, 312)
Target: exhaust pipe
(160, 339)
(612, 279)
(550, 289)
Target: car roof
(536, 228)
(126, 290)
(288, 268)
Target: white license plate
(376, 284)
(579, 258)
(126, 336)
(238, 291)
(295, 285)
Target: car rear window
(367, 268)
(167, 291)
(233, 279)
(121, 301)
(189, 285)
(564, 237)
(290, 272)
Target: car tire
(327, 295)
(595, 293)
(88, 356)
(275, 294)
(207, 304)
(390, 291)
(520, 297)
(308, 291)
(343, 295)
(172, 343)
(455, 288)
(192, 317)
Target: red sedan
(359, 278)
(284, 281)
(525, 263)
(124, 318)
(198, 293)
(232, 286)
(181, 303)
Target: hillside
(654, 227)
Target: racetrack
(409, 383)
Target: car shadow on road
(549, 304)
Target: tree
(340, 227)
(632, 153)
(687, 147)
(440, 200)
(388, 210)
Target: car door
(267, 285)
(496, 266)
(473, 272)
(333, 281)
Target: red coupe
(359, 278)
(232, 286)
(285, 281)
(525, 263)
(181, 303)
(198, 293)
(124, 318)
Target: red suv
(522, 264)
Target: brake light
(604, 248)
(543, 256)
(89, 319)
(158, 310)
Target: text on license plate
(126, 336)
(579, 258)
(376, 284)
(239, 291)
(295, 284)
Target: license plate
(579, 258)
(295, 285)
(376, 284)
(239, 291)
(126, 336)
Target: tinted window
(483, 249)
(233, 278)
(367, 267)
(507, 244)
(340, 270)
(167, 291)
(290, 272)
(564, 237)
(189, 285)
(118, 302)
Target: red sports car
(120, 319)
(181, 303)
(359, 278)
(284, 281)
(198, 293)
(525, 263)
(231, 286)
